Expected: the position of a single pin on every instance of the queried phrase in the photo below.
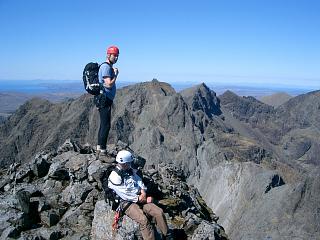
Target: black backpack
(110, 196)
(90, 78)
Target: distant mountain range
(10, 101)
(14, 93)
(276, 99)
(255, 165)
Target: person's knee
(153, 210)
(161, 211)
(158, 212)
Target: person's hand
(149, 199)
(142, 198)
(116, 71)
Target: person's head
(124, 159)
(112, 54)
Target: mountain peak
(154, 87)
(276, 99)
(201, 97)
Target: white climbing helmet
(124, 156)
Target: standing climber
(107, 77)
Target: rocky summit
(59, 196)
(255, 165)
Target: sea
(76, 86)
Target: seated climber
(134, 201)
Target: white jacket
(130, 188)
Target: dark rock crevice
(276, 181)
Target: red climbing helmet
(113, 50)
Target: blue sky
(258, 43)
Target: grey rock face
(292, 129)
(40, 167)
(75, 194)
(244, 107)
(262, 200)
(49, 218)
(10, 232)
(41, 117)
(102, 225)
(24, 200)
(59, 207)
(201, 98)
(207, 231)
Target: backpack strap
(120, 173)
(104, 63)
(123, 174)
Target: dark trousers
(105, 123)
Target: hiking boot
(97, 154)
(105, 157)
(98, 151)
